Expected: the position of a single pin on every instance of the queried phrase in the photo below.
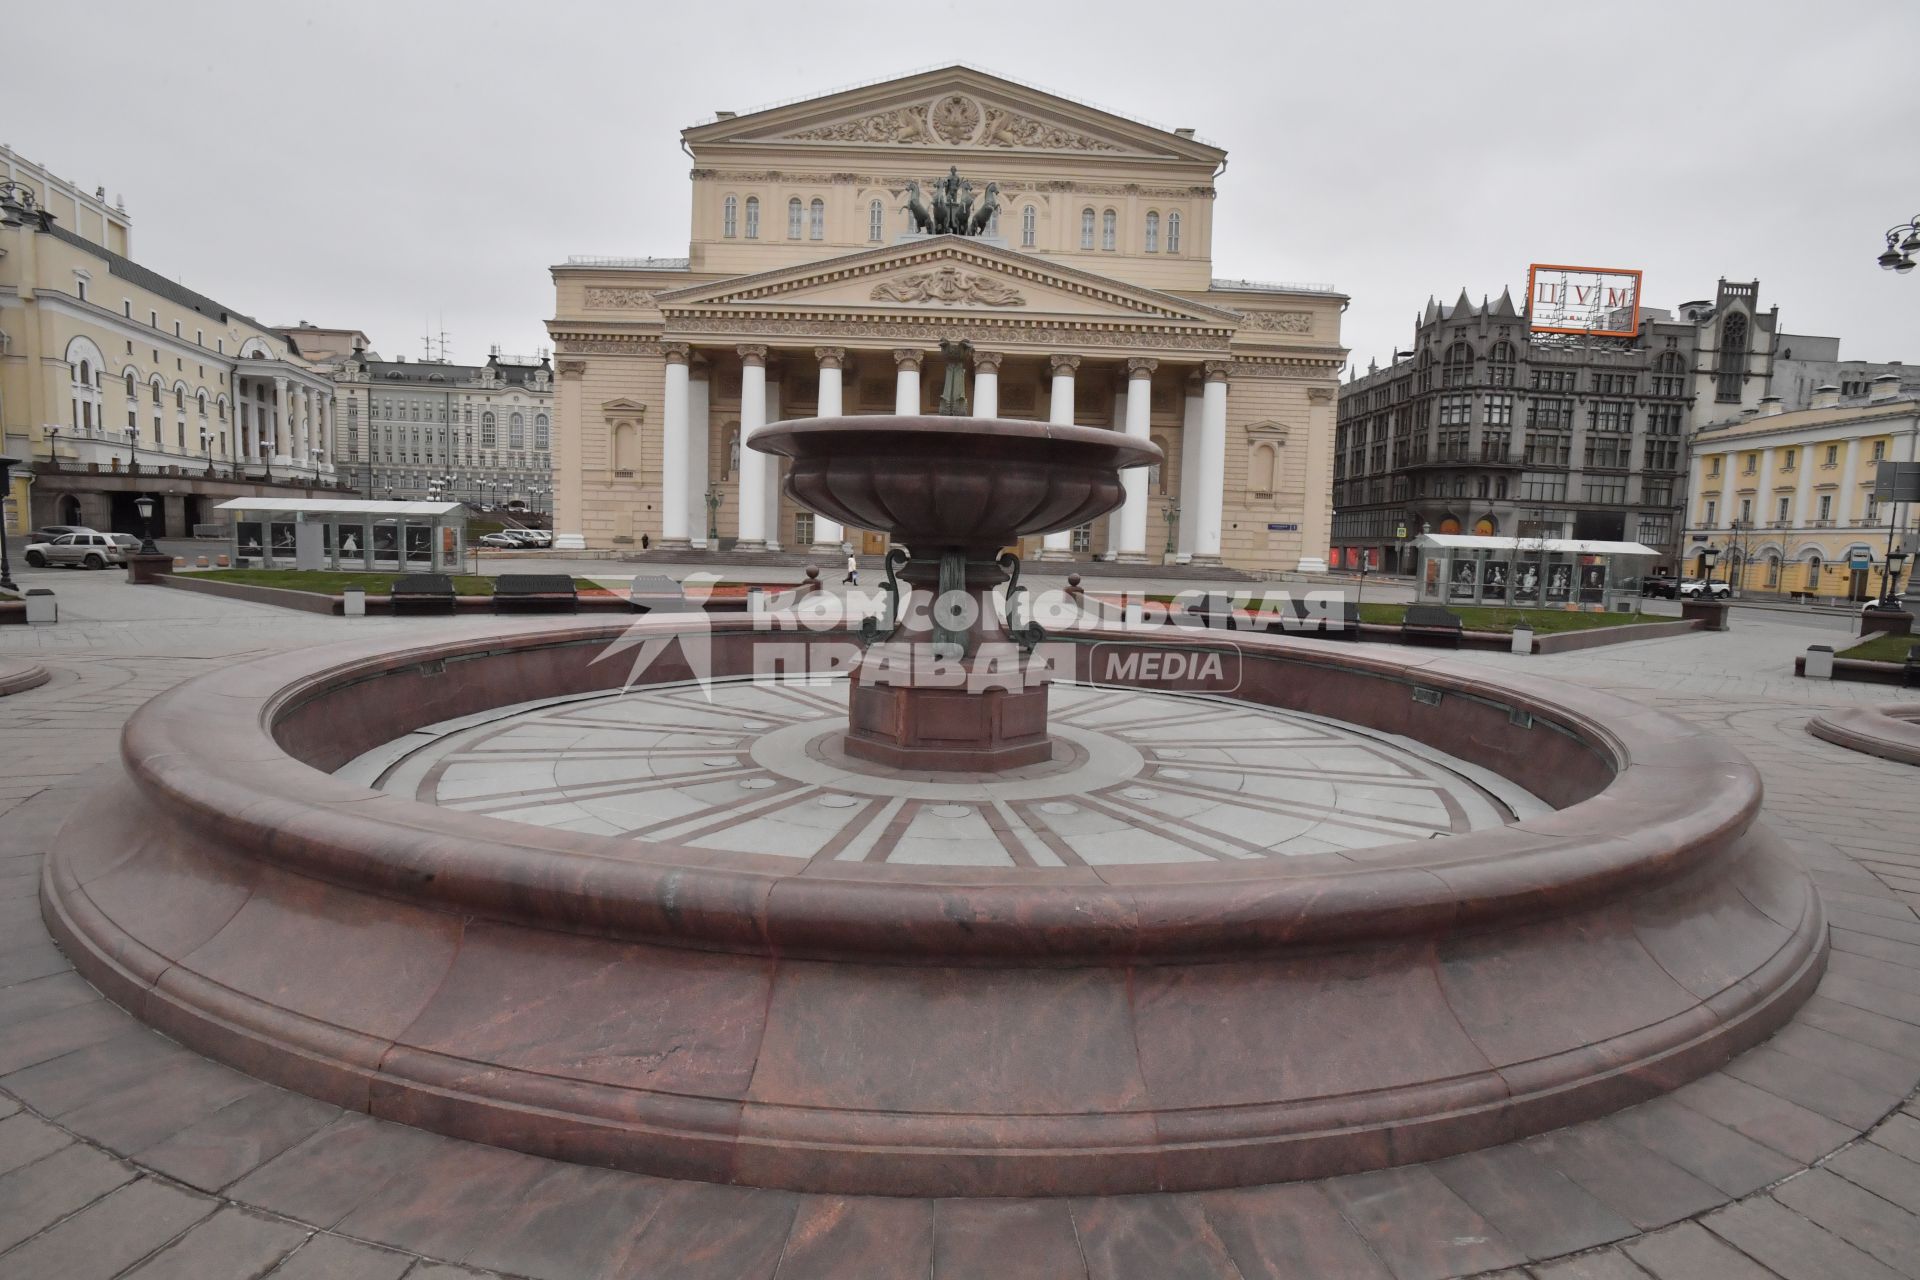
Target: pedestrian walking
(853, 570)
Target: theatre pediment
(953, 109)
(944, 274)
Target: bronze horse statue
(983, 216)
(917, 207)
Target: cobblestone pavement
(122, 1154)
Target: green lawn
(328, 583)
(1881, 648)
(1543, 621)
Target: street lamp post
(144, 505)
(1890, 580)
(1172, 516)
(1902, 241)
(714, 497)
(7, 464)
(1708, 555)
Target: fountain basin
(933, 1030)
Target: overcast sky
(406, 166)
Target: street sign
(1399, 531)
(1284, 528)
(1897, 482)
(1861, 560)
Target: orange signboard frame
(1633, 324)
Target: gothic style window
(1029, 226)
(1173, 233)
(817, 220)
(753, 217)
(1086, 228)
(1732, 365)
(1109, 230)
(1457, 367)
(1153, 232)
(793, 218)
(876, 220)
(732, 218)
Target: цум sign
(1601, 302)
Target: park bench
(534, 593)
(422, 593)
(1430, 622)
(653, 591)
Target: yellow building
(1084, 281)
(116, 381)
(1788, 498)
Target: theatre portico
(1081, 277)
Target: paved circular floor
(1136, 778)
(122, 1154)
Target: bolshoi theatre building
(836, 242)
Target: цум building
(1083, 281)
(1485, 429)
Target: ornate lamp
(144, 505)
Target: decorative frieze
(607, 298)
(957, 120)
(999, 332)
(1280, 321)
(606, 345)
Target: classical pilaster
(986, 384)
(906, 385)
(753, 476)
(776, 412)
(568, 501)
(1059, 546)
(1190, 440)
(1803, 488)
(1212, 480)
(827, 534)
(1135, 418)
(1316, 514)
(675, 532)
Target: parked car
(87, 550)
(53, 531)
(1694, 588)
(1660, 585)
(499, 540)
(125, 541)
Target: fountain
(944, 688)
(1329, 910)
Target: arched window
(1153, 231)
(542, 435)
(130, 391)
(817, 219)
(793, 218)
(1500, 361)
(487, 433)
(1773, 573)
(1813, 575)
(1109, 230)
(1029, 226)
(731, 220)
(1732, 365)
(1457, 366)
(1173, 232)
(203, 403)
(876, 220)
(753, 217)
(1086, 228)
(516, 432)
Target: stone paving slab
(124, 1155)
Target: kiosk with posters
(1553, 573)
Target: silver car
(88, 550)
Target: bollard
(200, 562)
(353, 602)
(222, 561)
(1523, 640)
(1819, 663)
(41, 606)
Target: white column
(1843, 515)
(1803, 490)
(1763, 493)
(774, 413)
(1190, 438)
(906, 385)
(1131, 543)
(699, 449)
(827, 534)
(674, 528)
(753, 476)
(986, 384)
(1212, 480)
(1316, 510)
(236, 416)
(306, 426)
(569, 497)
(1059, 546)
(278, 443)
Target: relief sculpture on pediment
(1011, 129)
(899, 124)
(949, 286)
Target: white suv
(88, 550)
(1694, 588)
